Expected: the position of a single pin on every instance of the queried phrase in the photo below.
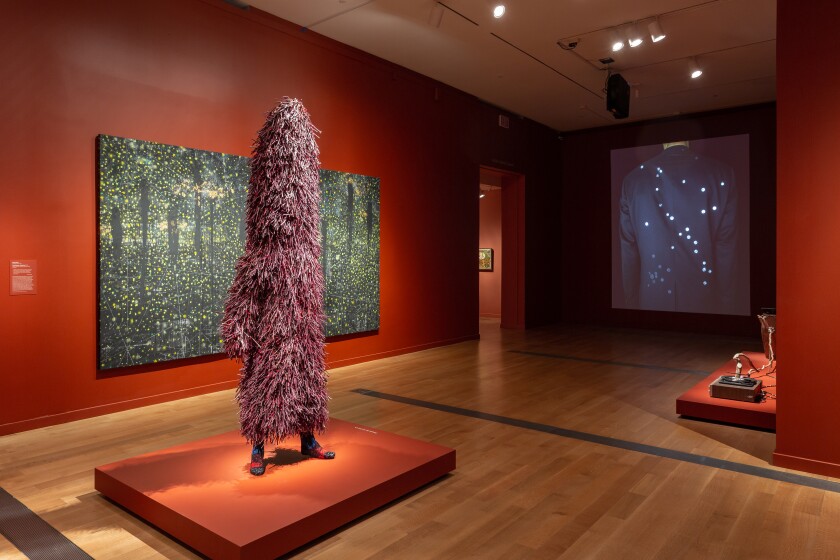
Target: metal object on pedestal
(736, 388)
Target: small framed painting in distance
(485, 260)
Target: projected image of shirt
(678, 233)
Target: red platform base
(202, 494)
(697, 403)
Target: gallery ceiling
(542, 58)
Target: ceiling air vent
(504, 121)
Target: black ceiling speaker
(618, 96)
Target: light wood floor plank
(517, 493)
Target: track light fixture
(656, 33)
(695, 69)
(634, 38)
(624, 33)
(615, 41)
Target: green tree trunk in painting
(172, 231)
(350, 195)
(144, 248)
(116, 234)
(325, 253)
(369, 217)
(197, 247)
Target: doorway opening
(501, 276)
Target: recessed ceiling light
(498, 10)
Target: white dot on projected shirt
(696, 251)
(687, 229)
(672, 248)
(703, 189)
(703, 211)
(695, 242)
(688, 236)
(722, 184)
(667, 270)
(683, 181)
(705, 283)
(646, 224)
(704, 269)
(714, 208)
(671, 218)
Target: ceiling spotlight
(656, 33)
(634, 38)
(696, 72)
(615, 41)
(498, 10)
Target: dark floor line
(801, 480)
(33, 536)
(611, 362)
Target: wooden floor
(516, 493)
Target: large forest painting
(171, 226)
(350, 251)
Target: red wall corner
(808, 272)
(490, 236)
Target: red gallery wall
(490, 236)
(528, 157)
(203, 74)
(585, 268)
(808, 238)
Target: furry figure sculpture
(274, 316)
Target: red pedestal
(202, 494)
(697, 403)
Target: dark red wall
(203, 74)
(530, 153)
(490, 235)
(585, 268)
(808, 238)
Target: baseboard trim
(804, 464)
(398, 351)
(108, 408)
